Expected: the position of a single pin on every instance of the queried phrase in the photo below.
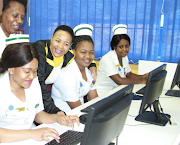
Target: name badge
(21, 109)
(81, 88)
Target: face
(122, 49)
(84, 54)
(12, 18)
(60, 43)
(24, 75)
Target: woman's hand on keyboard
(44, 133)
(68, 120)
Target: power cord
(159, 113)
(165, 114)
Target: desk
(145, 134)
(139, 134)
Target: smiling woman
(114, 68)
(13, 13)
(55, 54)
(75, 81)
(21, 100)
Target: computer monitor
(153, 90)
(176, 81)
(107, 117)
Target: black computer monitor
(107, 117)
(153, 90)
(176, 81)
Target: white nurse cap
(17, 38)
(119, 29)
(83, 29)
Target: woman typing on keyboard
(21, 97)
(114, 66)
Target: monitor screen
(153, 90)
(107, 117)
(176, 81)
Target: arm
(75, 104)
(48, 102)
(125, 81)
(43, 117)
(135, 76)
(93, 70)
(7, 135)
(67, 91)
(92, 94)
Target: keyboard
(86, 110)
(70, 137)
(175, 93)
(141, 91)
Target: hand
(60, 113)
(75, 118)
(44, 133)
(68, 120)
(143, 81)
(93, 72)
(145, 76)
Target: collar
(2, 32)
(77, 72)
(50, 58)
(115, 57)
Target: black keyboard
(175, 93)
(69, 137)
(86, 110)
(141, 91)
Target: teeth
(58, 51)
(87, 61)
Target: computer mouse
(83, 118)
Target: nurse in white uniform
(13, 13)
(21, 97)
(75, 81)
(114, 66)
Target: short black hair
(78, 39)
(65, 28)
(6, 4)
(17, 55)
(117, 38)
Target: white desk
(140, 133)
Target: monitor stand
(155, 117)
(174, 93)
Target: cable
(117, 140)
(138, 124)
(165, 114)
(162, 8)
(131, 115)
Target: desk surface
(134, 132)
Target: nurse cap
(17, 38)
(83, 29)
(119, 29)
